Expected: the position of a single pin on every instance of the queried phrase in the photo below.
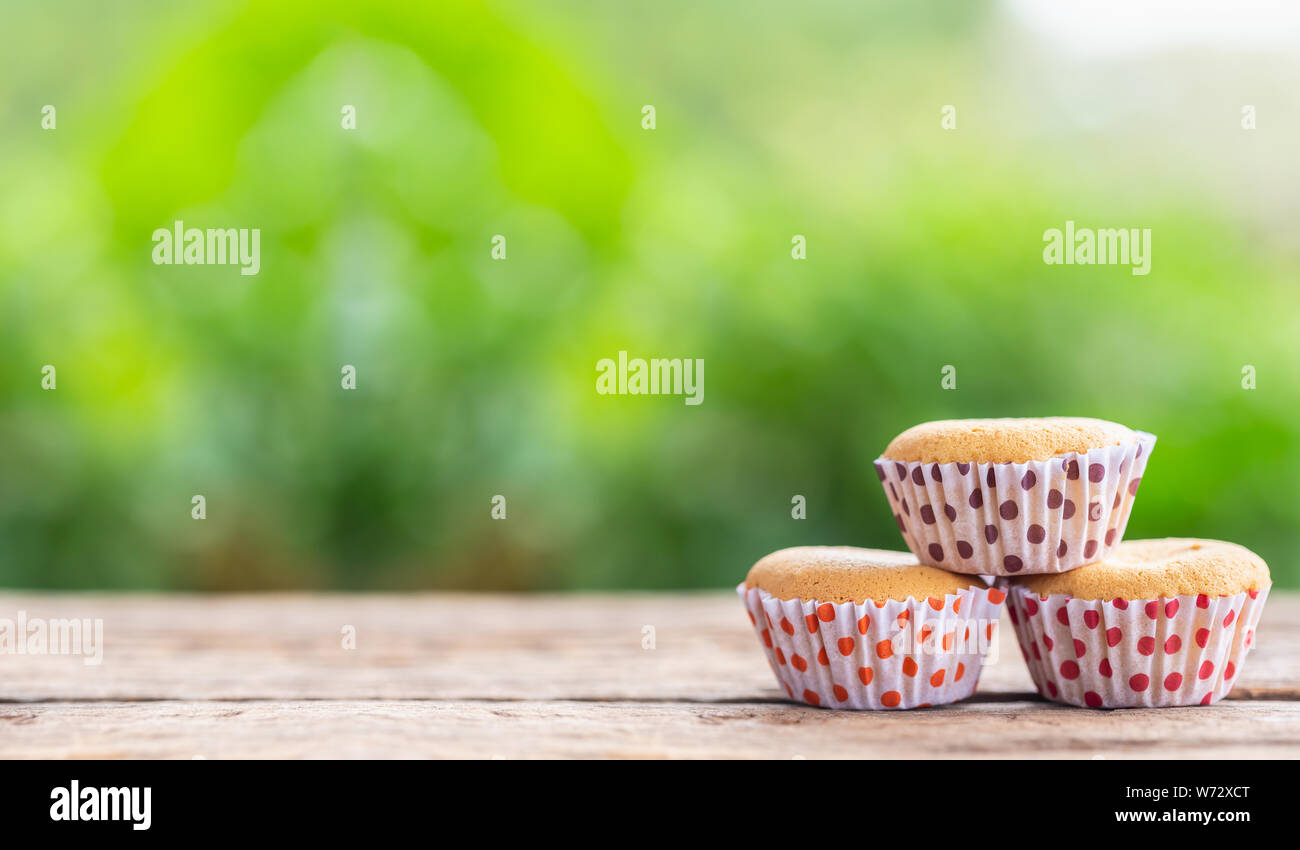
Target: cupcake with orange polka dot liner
(1158, 623)
(853, 628)
(1013, 496)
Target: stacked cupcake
(1037, 509)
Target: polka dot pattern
(1129, 653)
(877, 655)
(1016, 518)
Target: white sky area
(1118, 27)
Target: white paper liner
(876, 655)
(1042, 516)
(1182, 650)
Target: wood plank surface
(566, 729)
(484, 676)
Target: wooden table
(478, 676)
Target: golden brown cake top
(850, 574)
(1005, 440)
(1150, 569)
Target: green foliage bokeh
(476, 377)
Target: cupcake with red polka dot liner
(853, 628)
(1158, 623)
(1013, 496)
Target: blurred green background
(476, 377)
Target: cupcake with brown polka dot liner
(1013, 496)
(1158, 623)
(869, 629)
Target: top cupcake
(1013, 496)
(1005, 440)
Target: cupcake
(1158, 623)
(864, 628)
(1013, 496)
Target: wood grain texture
(566, 729)
(543, 676)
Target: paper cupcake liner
(1126, 653)
(874, 655)
(1043, 516)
